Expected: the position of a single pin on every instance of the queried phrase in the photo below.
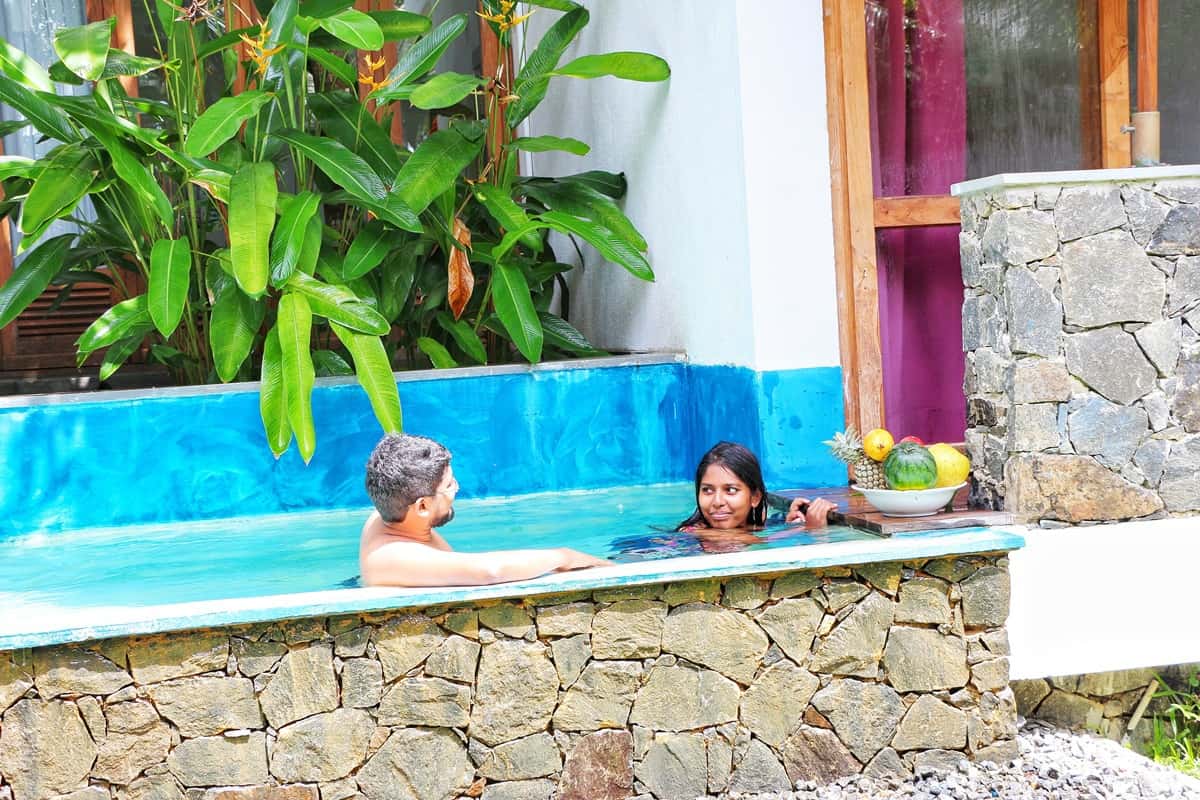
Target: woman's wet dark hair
(742, 463)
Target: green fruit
(910, 466)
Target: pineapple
(848, 447)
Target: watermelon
(910, 466)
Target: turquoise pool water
(152, 565)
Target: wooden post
(848, 111)
(1113, 27)
(1087, 15)
(1147, 55)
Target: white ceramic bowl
(911, 503)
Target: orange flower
(259, 53)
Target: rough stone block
(455, 659)
(813, 754)
(45, 749)
(533, 756)
(629, 629)
(567, 619)
(774, 704)
(1161, 341)
(73, 670)
(324, 747)
(680, 698)
(1179, 233)
(160, 658)
(206, 706)
(715, 637)
(601, 698)
(516, 691)
(1110, 361)
(598, 767)
(1037, 380)
(303, 685)
(854, 646)
(404, 642)
(923, 660)
(1072, 488)
(864, 715)
(928, 724)
(426, 701)
(1179, 487)
(676, 765)
(400, 769)
(1108, 278)
(1033, 427)
(1110, 432)
(924, 600)
(792, 624)
(1019, 237)
(220, 761)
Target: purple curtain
(918, 117)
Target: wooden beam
(917, 209)
(1147, 55)
(496, 61)
(1087, 17)
(848, 111)
(1113, 28)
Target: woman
(731, 497)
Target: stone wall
(668, 691)
(1081, 324)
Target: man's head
(411, 475)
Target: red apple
(913, 439)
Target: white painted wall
(1105, 597)
(728, 169)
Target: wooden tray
(854, 510)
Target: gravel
(1054, 764)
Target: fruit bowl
(910, 503)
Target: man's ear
(422, 507)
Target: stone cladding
(1081, 326)
(690, 689)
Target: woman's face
(724, 500)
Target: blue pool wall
(75, 461)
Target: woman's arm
(814, 513)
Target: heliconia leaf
(544, 144)
(460, 280)
(339, 163)
(439, 356)
(31, 277)
(272, 397)
(338, 304)
(170, 276)
(612, 184)
(444, 90)
(533, 79)
(464, 336)
(213, 181)
(349, 122)
(252, 195)
(400, 25)
(134, 172)
(507, 213)
(514, 307)
(120, 64)
(610, 246)
(63, 182)
(294, 324)
(581, 200)
(317, 9)
(397, 274)
(422, 56)
(625, 65)
(47, 118)
(557, 5)
(17, 65)
(436, 164)
(333, 64)
(119, 352)
(287, 240)
(220, 122)
(114, 325)
(233, 324)
(367, 250)
(374, 375)
(313, 235)
(84, 48)
(561, 335)
(330, 364)
(354, 28)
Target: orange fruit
(952, 466)
(877, 444)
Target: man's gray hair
(403, 469)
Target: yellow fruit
(952, 466)
(877, 444)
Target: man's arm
(411, 564)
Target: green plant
(279, 233)
(1175, 728)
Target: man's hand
(573, 559)
(814, 513)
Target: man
(410, 481)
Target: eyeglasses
(451, 490)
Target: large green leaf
(355, 29)
(557, 5)
(233, 324)
(170, 276)
(581, 200)
(439, 356)
(125, 65)
(533, 79)
(563, 336)
(374, 375)
(339, 163)
(220, 122)
(508, 215)
(252, 195)
(119, 352)
(272, 397)
(46, 117)
(444, 90)
(338, 304)
(609, 245)
(114, 325)
(317, 9)
(422, 56)
(436, 164)
(464, 336)
(543, 144)
(347, 120)
(287, 240)
(137, 175)
(21, 68)
(367, 250)
(58, 189)
(396, 276)
(612, 184)
(400, 25)
(334, 64)
(625, 65)
(285, 77)
(32, 276)
(84, 48)
(514, 306)
(294, 324)
(330, 364)
(19, 167)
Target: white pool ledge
(1010, 179)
